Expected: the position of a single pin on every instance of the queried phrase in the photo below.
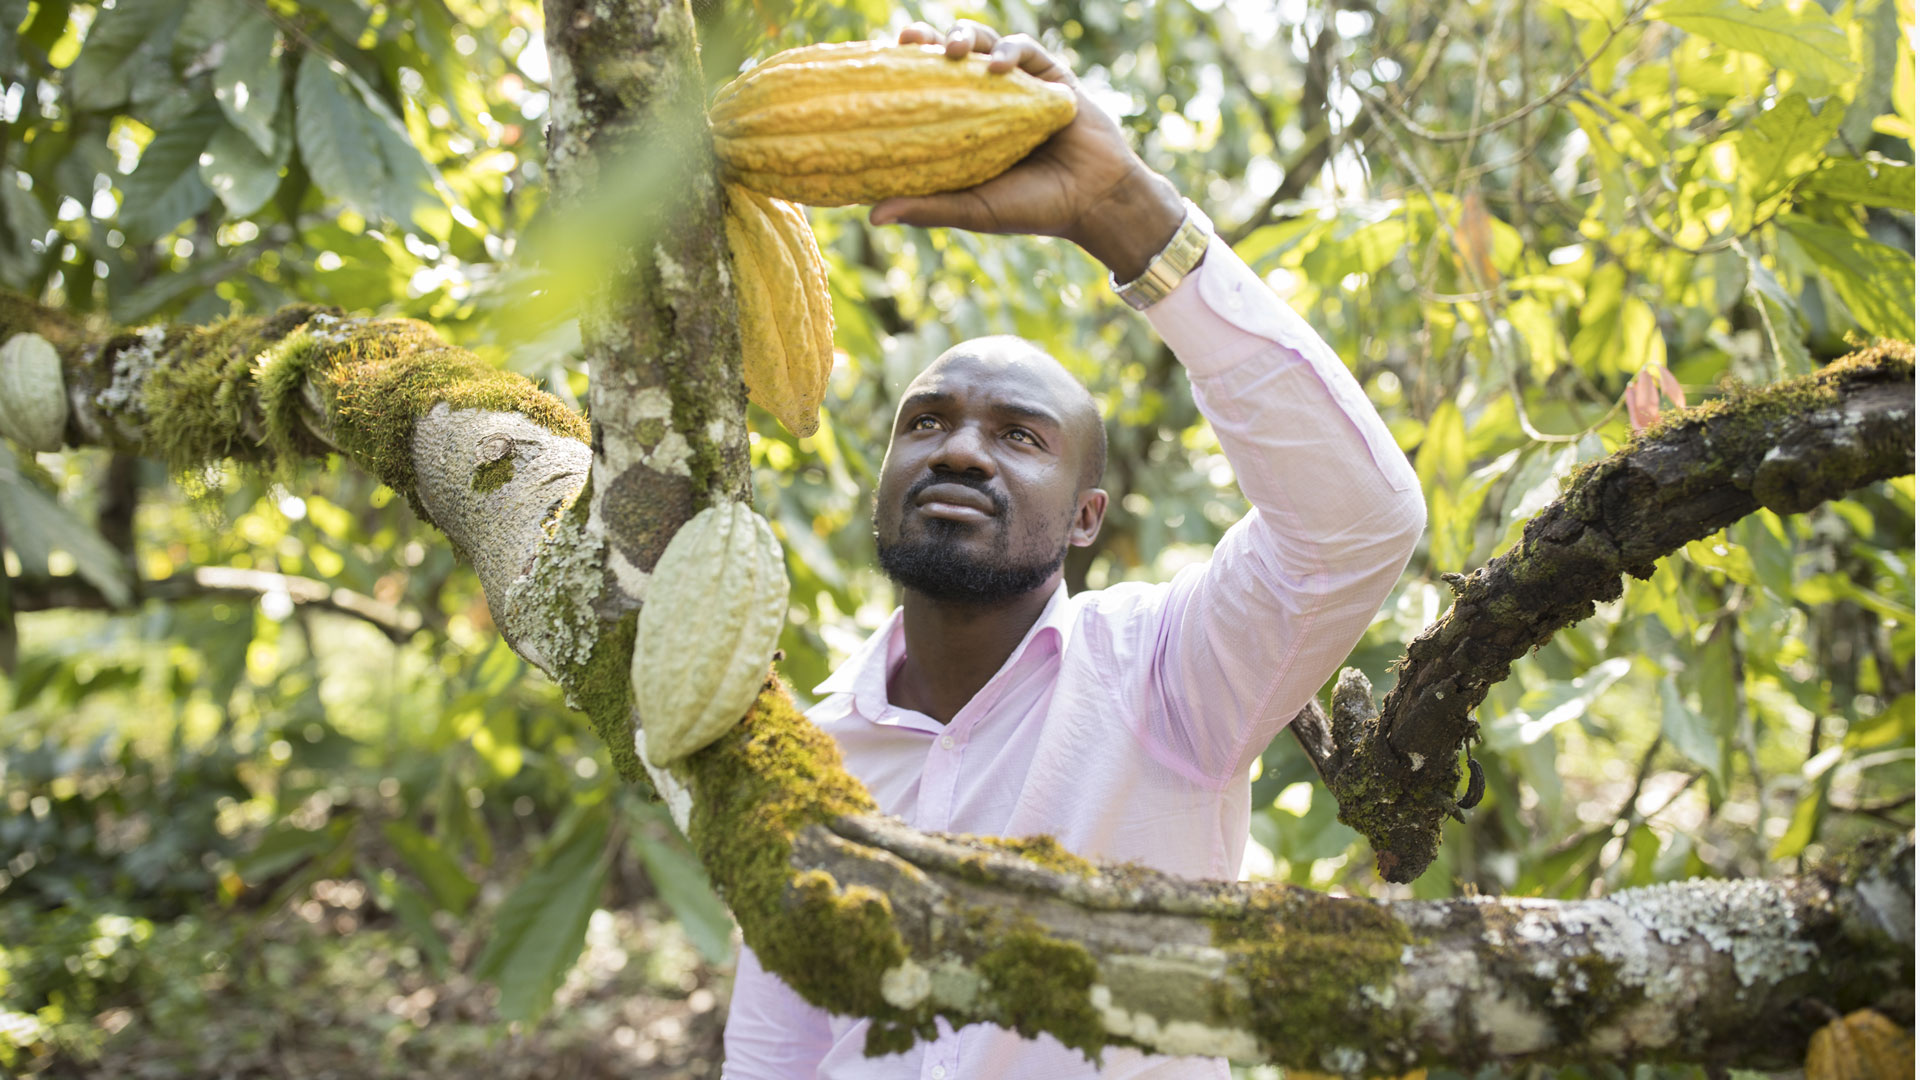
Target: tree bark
(1788, 447)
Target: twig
(72, 591)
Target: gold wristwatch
(1174, 262)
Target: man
(1122, 721)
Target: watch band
(1180, 256)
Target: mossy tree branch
(866, 917)
(1788, 447)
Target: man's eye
(922, 423)
(1024, 435)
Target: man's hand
(1085, 184)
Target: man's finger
(968, 36)
(1022, 51)
(919, 33)
(954, 209)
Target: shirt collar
(864, 674)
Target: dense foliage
(1501, 214)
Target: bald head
(1045, 377)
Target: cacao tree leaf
(1691, 733)
(243, 178)
(354, 146)
(392, 893)
(37, 525)
(431, 863)
(1797, 37)
(1603, 11)
(683, 886)
(165, 188)
(121, 42)
(247, 82)
(1779, 317)
(1780, 146)
(541, 926)
(1875, 281)
(1864, 182)
(286, 846)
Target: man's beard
(933, 564)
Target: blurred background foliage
(275, 796)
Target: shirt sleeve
(1247, 637)
(772, 1034)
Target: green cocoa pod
(33, 393)
(714, 608)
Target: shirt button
(946, 743)
(939, 1072)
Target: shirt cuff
(1197, 319)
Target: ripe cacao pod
(830, 125)
(1863, 1045)
(786, 312)
(714, 608)
(33, 393)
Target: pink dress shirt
(1126, 720)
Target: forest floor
(314, 993)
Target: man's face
(982, 490)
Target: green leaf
(1797, 37)
(1691, 734)
(355, 148)
(166, 189)
(683, 886)
(1874, 280)
(37, 524)
(1864, 182)
(1547, 707)
(1893, 724)
(285, 846)
(410, 906)
(540, 927)
(1781, 145)
(247, 82)
(235, 169)
(1442, 458)
(1604, 11)
(436, 869)
(1779, 318)
(121, 42)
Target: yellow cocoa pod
(786, 312)
(1862, 1045)
(715, 604)
(830, 125)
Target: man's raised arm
(1245, 640)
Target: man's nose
(964, 450)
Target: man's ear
(1086, 521)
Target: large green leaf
(121, 42)
(433, 865)
(540, 927)
(1782, 145)
(1797, 37)
(166, 189)
(1779, 318)
(37, 525)
(1875, 281)
(1860, 182)
(233, 167)
(354, 146)
(683, 886)
(1692, 734)
(247, 82)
